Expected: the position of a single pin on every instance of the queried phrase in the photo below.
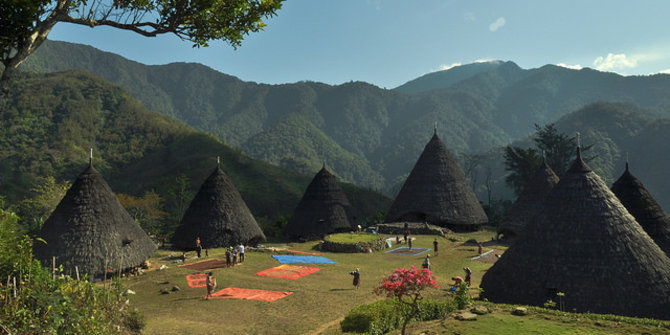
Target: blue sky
(388, 43)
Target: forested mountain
(615, 131)
(368, 135)
(446, 78)
(53, 119)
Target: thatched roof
(528, 201)
(323, 209)
(90, 228)
(644, 208)
(584, 243)
(436, 191)
(217, 215)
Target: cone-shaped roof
(644, 208)
(529, 201)
(584, 243)
(90, 228)
(217, 215)
(323, 209)
(436, 191)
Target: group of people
(235, 255)
(458, 280)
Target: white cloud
(484, 60)
(444, 67)
(666, 71)
(469, 16)
(572, 67)
(497, 24)
(615, 62)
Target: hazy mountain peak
(448, 77)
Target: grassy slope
(318, 299)
(321, 299)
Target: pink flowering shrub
(406, 285)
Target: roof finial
(626, 161)
(218, 162)
(323, 166)
(579, 147)
(435, 128)
(90, 158)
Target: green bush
(381, 317)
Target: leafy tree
(24, 25)
(559, 151)
(405, 285)
(145, 210)
(37, 209)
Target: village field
(319, 301)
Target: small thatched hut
(90, 229)
(585, 244)
(437, 192)
(217, 215)
(323, 209)
(644, 208)
(530, 199)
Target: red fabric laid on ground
(288, 271)
(197, 280)
(205, 265)
(249, 294)
(305, 253)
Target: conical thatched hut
(217, 215)
(323, 209)
(644, 208)
(585, 244)
(90, 229)
(437, 192)
(528, 201)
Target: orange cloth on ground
(197, 280)
(288, 271)
(249, 294)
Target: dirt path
(325, 326)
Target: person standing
(435, 243)
(229, 257)
(234, 257)
(357, 277)
(198, 246)
(211, 284)
(468, 275)
(409, 243)
(240, 251)
(426, 263)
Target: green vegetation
(53, 120)
(382, 316)
(352, 238)
(371, 136)
(36, 301)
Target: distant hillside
(370, 136)
(53, 119)
(615, 130)
(446, 78)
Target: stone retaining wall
(353, 247)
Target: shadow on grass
(341, 289)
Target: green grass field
(320, 300)
(352, 238)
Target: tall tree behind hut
(559, 151)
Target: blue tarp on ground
(290, 259)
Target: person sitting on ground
(457, 282)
